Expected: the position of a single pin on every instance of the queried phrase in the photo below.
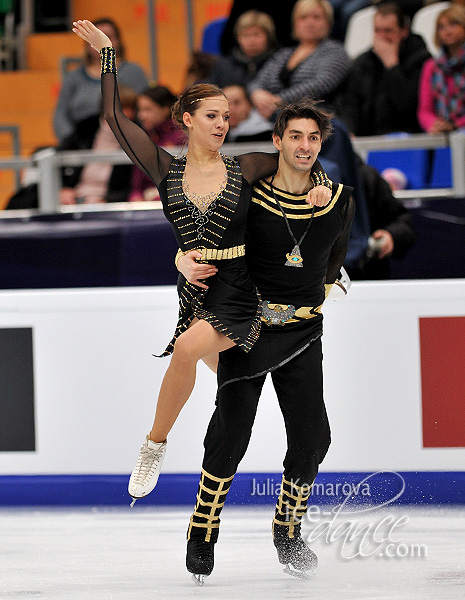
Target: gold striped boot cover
(205, 520)
(290, 508)
(293, 552)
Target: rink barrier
(48, 162)
(353, 489)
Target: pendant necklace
(294, 258)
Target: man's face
(387, 28)
(300, 144)
(239, 106)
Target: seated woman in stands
(441, 107)
(80, 91)
(317, 66)
(255, 39)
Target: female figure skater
(205, 197)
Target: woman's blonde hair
(255, 18)
(455, 14)
(302, 6)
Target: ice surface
(139, 554)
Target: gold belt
(221, 253)
(213, 253)
(280, 314)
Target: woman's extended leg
(201, 340)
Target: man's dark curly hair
(306, 108)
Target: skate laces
(147, 463)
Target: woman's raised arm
(146, 155)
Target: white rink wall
(96, 381)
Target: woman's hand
(320, 195)
(441, 126)
(194, 271)
(91, 34)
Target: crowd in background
(276, 53)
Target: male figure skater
(294, 251)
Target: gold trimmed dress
(231, 304)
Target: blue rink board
(352, 489)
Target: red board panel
(442, 348)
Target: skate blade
(199, 579)
(308, 575)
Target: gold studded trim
(108, 60)
(204, 228)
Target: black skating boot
(200, 559)
(298, 558)
(204, 525)
(293, 552)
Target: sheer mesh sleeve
(339, 249)
(146, 155)
(256, 165)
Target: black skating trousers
(299, 387)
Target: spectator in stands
(94, 182)
(390, 224)
(97, 182)
(280, 12)
(316, 67)
(246, 124)
(199, 68)
(154, 115)
(382, 90)
(441, 105)
(80, 95)
(255, 36)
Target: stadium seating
(424, 23)
(359, 34)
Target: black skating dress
(231, 304)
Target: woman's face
(450, 33)
(150, 113)
(209, 124)
(253, 41)
(311, 25)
